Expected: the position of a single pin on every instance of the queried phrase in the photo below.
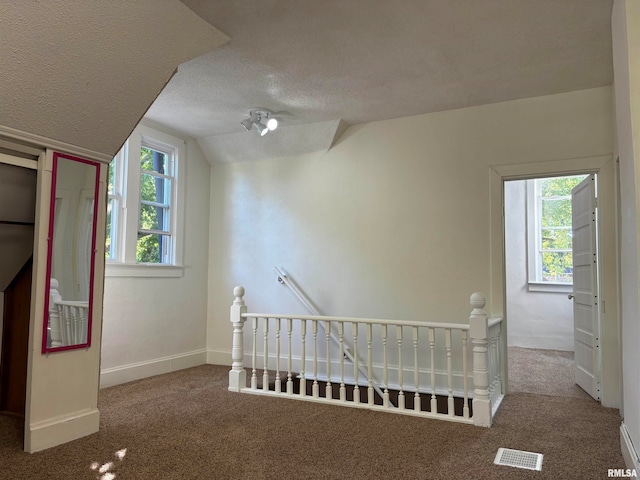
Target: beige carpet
(187, 425)
(545, 372)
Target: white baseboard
(218, 357)
(158, 366)
(59, 430)
(629, 453)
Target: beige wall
(62, 387)
(393, 221)
(626, 56)
(155, 325)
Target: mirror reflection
(71, 253)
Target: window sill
(142, 270)
(550, 287)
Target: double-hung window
(549, 233)
(145, 208)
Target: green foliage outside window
(556, 236)
(110, 187)
(148, 247)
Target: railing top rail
(494, 321)
(377, 321)
(72, 303)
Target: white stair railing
(68, 319)
(438, 372)
(331, 336)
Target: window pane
(556, 213)
(109, 244)
(154, 161)
(557, 267)
(111, 179)
(556, 239)
(153, 248)
(559, 186)
(154, 218)
(155, 189)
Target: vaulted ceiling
(84, 72)
(330, 63)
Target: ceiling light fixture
(262, 119)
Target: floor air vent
(519, 459)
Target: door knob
(570, 296)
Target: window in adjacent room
(550, 258)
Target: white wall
(536, 319)
(393, 221)
(156, 325)
(626, 58)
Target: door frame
(608, 255)
(28, 163)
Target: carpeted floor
(187, 425)
(545, 372)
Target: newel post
(478, 326)
(237, 374)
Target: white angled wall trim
(158, 366)
(629, 453)
(62, 429)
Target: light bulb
(272, 124)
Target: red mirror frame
(50, 237)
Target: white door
(586, 319)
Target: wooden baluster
(316, 388)
(370, 392)
(55, 320)
(498, 360)
(73, 338)
(465, 375)
(328, 390)
(254, 355)
(303, 339)
(356, 375)
(289, 361)
(278, 381)
(385, 372)
(450, 404)
(77, 324)
(265, 373)
(237, 374)
(432, 351)
(400, 368)
(416, 373)
(492, 366)
(68, 325)
(84, 322)
(343, 388)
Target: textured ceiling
(85, 71)
(367, 60)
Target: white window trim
(128, 181)
(535, 284)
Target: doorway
(539, 286)
(17, 217)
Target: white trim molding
(113, 269)
(40, 141)
(63, 429)
(136, 371)
(629, 453)
(219, 357)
